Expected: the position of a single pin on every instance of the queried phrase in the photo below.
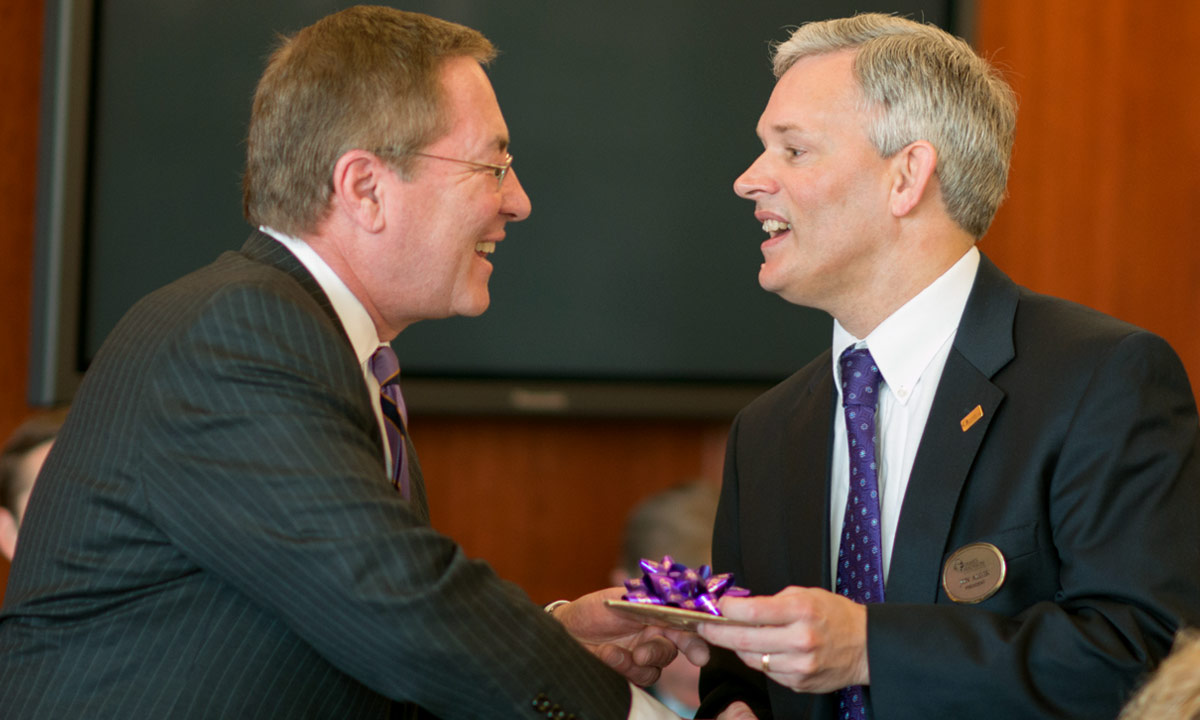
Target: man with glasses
(233, 522)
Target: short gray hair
(925, 84)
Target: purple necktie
(386, 369)
(859, 573)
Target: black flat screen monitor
(632, 288)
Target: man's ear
(358, 178)
(8, 534)
(912, 168)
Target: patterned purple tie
(859, 573)
(385, 366)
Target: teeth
(485, 247)
(774, 226)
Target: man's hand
(637, 651)
(8, 534)
(816, 640)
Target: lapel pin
(971, 418)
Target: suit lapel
(807, 521)
(962, 411)
(943, 461)
(262, 248)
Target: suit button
(541, 703)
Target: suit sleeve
(262, 464)
(1122, 492)
(726, 678)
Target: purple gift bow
(676, 585)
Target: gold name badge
(974, 573)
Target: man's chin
(474, 307)
(768, 280)
(785, 288)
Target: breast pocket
(1010, 569)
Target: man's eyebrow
(785, 128)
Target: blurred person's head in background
(1173, 691)
(676, 522)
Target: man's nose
(754, 181)
(515, 203)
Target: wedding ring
(766, 662)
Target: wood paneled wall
(20, 74)
(1102, 208)
(544, 499)
(1104, 200)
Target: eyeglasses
(499, 171)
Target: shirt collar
(355, 319)
(906, 342)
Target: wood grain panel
(544, 500)
(1106, 169)
(20, 73)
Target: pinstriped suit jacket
(213, 536)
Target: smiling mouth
(483, 249)
(775, 228)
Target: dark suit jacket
(214, 536)
(1083, 470)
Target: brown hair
(366, 77)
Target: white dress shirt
(910, 349)
(357, 323)
(364, 339)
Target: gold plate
(667, 616)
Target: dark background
(629, 121)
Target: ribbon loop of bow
(677, 585)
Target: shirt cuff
(643, 706)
